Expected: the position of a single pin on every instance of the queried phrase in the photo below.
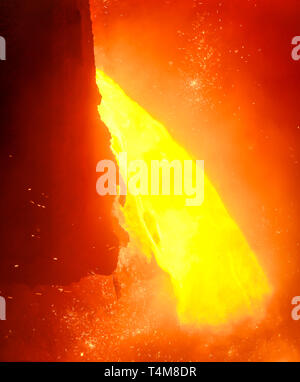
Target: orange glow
(215, 275)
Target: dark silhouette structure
(54, 227)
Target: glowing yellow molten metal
(215, 275)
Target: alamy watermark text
(154, 177)
(2, 49)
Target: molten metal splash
(215, 275)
